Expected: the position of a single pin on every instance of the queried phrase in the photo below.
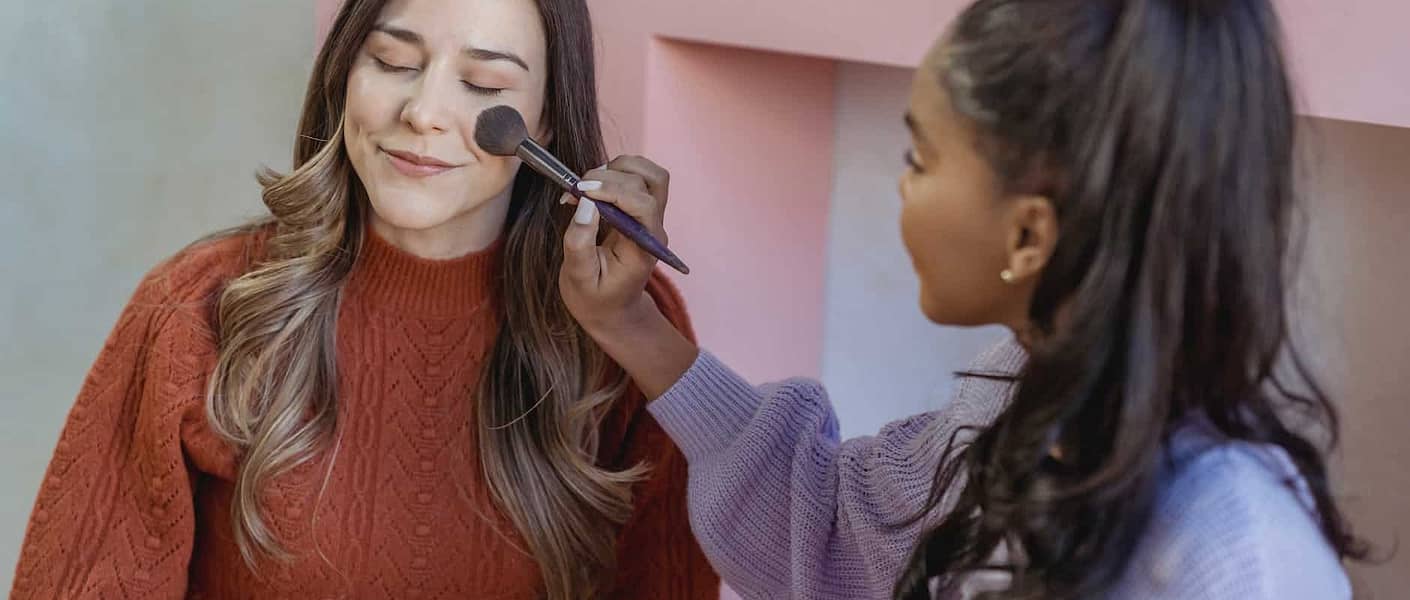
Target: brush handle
(546, 164)
(634, 230)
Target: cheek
(921, 238)
(356, 123)
(531, 106)
(372, 111)
(946, 245)
(923, 224)
(484, 180)
(370, 106)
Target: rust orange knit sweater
(136, 501)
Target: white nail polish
(587, 209)
(587, 185)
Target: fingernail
(589, 185)
(587, 209)
(564, 198)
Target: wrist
(647, 345)
(635, 317)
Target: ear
(1033, 233)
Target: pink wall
(1348, 54)
(748, 140)
(1349, 58)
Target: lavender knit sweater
(786, 510)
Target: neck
(1025, 334)
(466, 233)
(390, 279)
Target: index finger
(658, 179)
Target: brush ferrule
(546, 164)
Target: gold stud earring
(1007, 276)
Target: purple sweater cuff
(707, 409)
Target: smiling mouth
(415, 165)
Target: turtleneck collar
(391, 279)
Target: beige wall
(1358, 293)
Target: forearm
(782, 507)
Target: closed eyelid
(491, 77)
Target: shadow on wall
(1353, 297)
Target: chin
(945, 313)
(931, 309)
(411, 211)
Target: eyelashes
(910, 159)
(472, 88)
(483, 91)
(391, 68)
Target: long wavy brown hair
(545, 386)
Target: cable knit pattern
(136, 502)
(786, 510)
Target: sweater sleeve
(783, 508)
(114, 516)
(659, 558)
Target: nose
(427, 111)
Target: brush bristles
(500, 130)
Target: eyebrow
(411, 37)
(911, 124)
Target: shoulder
(171, 314)
(1233, 520)
(197, 273)
(668, 299)
(158, 356)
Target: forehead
(931, 107)
(928, 110)
(503, 25)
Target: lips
(416, 165)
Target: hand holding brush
(501, 131)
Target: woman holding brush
(1111, 180)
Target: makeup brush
(501, 131)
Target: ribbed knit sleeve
(783, 508)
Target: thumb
(580, 262)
